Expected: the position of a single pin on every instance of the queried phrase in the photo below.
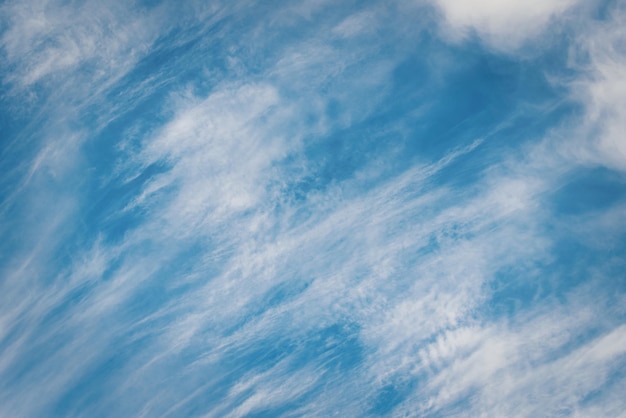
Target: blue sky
(313, 208)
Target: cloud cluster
(504, 25)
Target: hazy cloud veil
(313, 208)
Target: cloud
(219, 157)
(283, 239)
(602, 90)
(502, 24)
(43, 39)
(596, 56)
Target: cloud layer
(410, 209)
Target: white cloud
(220, 156)
(357, 24)
(533, 364)
(502, 24)
(602, 91)
(597, 55)
(46, 39)
(407, 262)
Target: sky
(408, 208)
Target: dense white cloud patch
(501, 24)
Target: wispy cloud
(287, 235)
(602, 89)
(44, 40)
